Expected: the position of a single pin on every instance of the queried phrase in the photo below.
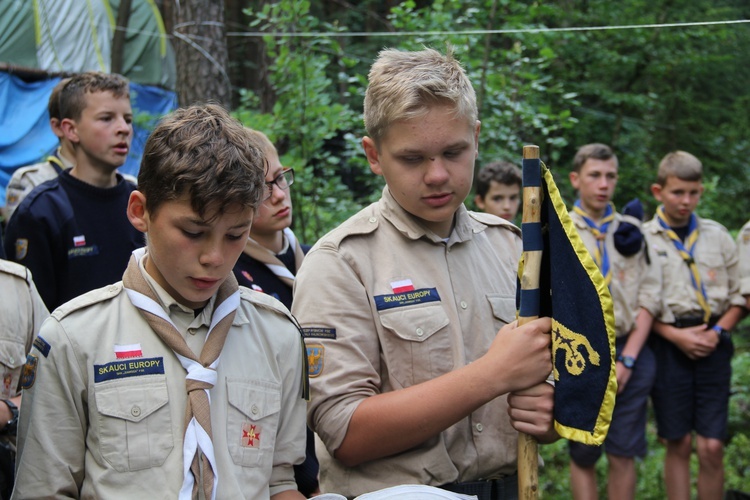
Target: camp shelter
(42, 41)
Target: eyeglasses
(282, 181)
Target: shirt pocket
(12, 358)
(503, 309)
(135, 427)
(252, 421)
(713, 270)
(416, 343)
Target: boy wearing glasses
(270, 262)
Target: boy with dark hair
(693, 348)
(498, 189)
(617, 245)
(419, 372)
(72, 231)
(173, 383)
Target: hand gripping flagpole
(528, 465)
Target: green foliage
(311, 130)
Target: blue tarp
(25, 134)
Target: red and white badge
(128, 351)
(402, 286)
(79, 241)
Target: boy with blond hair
(692, 345)
(419, 373)
(174, 382)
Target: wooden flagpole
(528, 461)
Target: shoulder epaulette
(265, 301)
(88, 299)
(14, 269)
(711, 222)
(365, 221)
(494, 221)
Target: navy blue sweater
(74, 237)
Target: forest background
(644, 76)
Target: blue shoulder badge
(28, 372)
(42, 346)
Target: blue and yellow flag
(573, 292)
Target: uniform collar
(408, 225)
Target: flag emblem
(402, 286)
(128, 351)
(79, 241)
(250, 435)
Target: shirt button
(464, 305)
(420, 332)
(373, 220)
(12, 360)
(254, 409)
(480, 427)
(135, 411)
(192, 331)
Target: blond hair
(680, 164)
(405, 85)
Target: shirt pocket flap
(503, 307)
(12, 353)
(254, 399)
(415, 324)
(131, 402)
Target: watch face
(628, 362)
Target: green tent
(71, 36)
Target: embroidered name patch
(319, 332)
(123, 369)
(420, 296)
(76, 252)
(42, 346)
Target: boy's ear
(476, 139)
(573, 176)
(69, 130)
(656, 191)
(54, 124)
(373, 157)
(479, 202)
(137, 214)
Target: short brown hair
(404, 85)
(203, 152)
(53, 105)
(72, 100)
(502, 172)
(594, 150)
(680, 164)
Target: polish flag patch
(402, 286)
(79, 241)
(128, 351)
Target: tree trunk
(201, 52)
(118, 40)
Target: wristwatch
(722, 332)
(12, 425)
(627, 361)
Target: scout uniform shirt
(107, 402)
(718, 263)
(385, 304)
(743, 242)
(26, 178)
(21, 315)
(634, 283)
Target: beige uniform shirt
(27, 178)
(743, 242)
(718, 263)
(95, 426)
(21, 315)
(634, 283)
(365, 336)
